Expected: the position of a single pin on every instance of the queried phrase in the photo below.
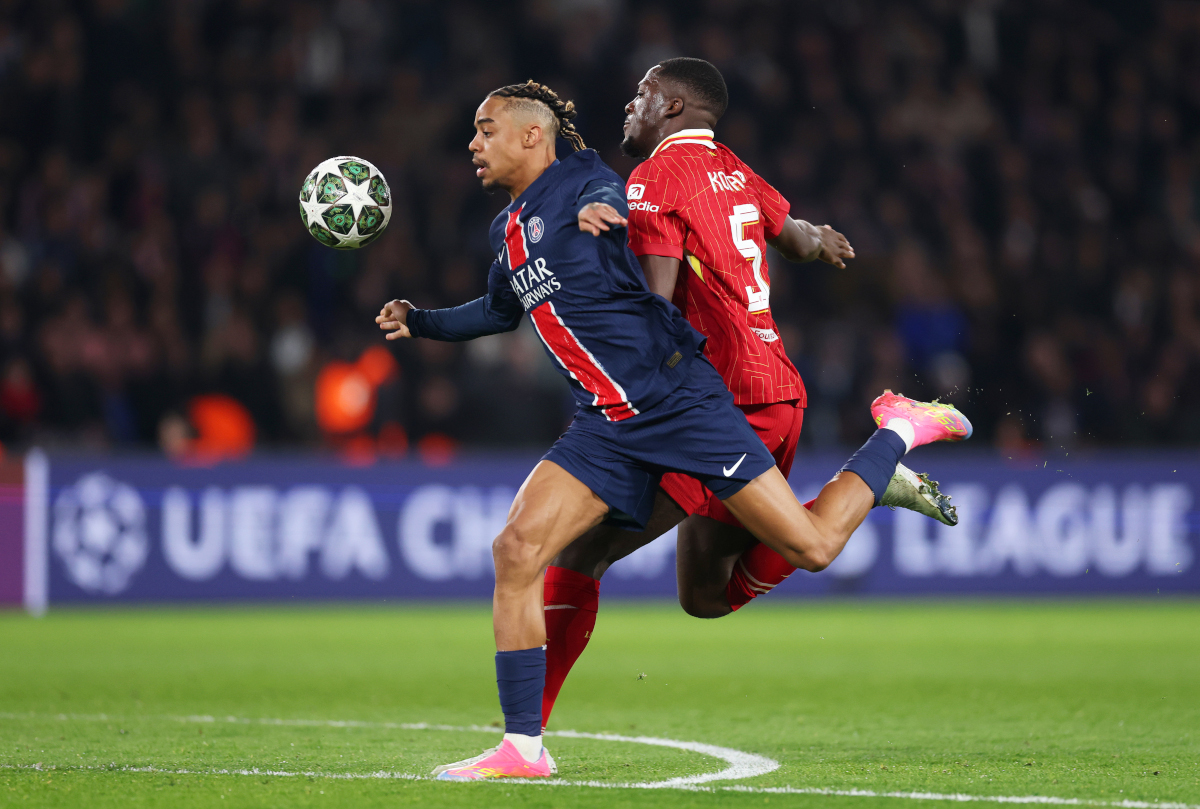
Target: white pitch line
(741, 765)
(340, 776)
(959, 797)
(841, 793)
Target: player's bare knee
(811, 552)
(704, 605)
(704, 610)
(513, 550)
(815, 560)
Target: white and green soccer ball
(345, 203)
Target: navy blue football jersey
(621, 348)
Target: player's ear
(673, 107)
(533, 136)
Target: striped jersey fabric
(694, 200)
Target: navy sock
(875, 462)
(521, 677)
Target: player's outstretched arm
(479, 318)
(498, 311)
(800, 241)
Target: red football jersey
(696, 201)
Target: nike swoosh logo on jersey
(733, 469)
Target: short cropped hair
(701, 79)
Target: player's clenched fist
(596, 216)
(393, 317)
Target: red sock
(756, 572)
(571, 601)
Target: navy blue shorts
(697, 430)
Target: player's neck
(530, 172)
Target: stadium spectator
(1021, 180)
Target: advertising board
(112, 529)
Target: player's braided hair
(563, 111)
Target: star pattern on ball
(356, 195)
(312, 210)
(345, 203)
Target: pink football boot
(931, 421)
(504, 761)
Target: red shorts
(777, 424)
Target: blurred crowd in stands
(1020, 179)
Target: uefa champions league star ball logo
(536, 229)
(100, 533)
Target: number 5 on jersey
(758, 300)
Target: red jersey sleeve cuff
(668, 250)
(774, 232)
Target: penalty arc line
(742, 765)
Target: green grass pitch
(1098, 701)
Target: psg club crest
(536, 229)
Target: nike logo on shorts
(733, 468)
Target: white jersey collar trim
(701, 136)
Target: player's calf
(721, 566)
(571, 602)
(707, 551)
(767, 507)
(757, 572)
(813, 541)
(759, 569)
(550, 510)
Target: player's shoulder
(669, 169)
(741, 173)
(648, 169)
(682, 154)
(497, 229)
(731, 163)
(585, 166)
(500, 220)
(727, 155)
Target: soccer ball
(345, 203)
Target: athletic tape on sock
(530, 747)
(904, 429)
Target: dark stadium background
(246, 543)
(1019, 180)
